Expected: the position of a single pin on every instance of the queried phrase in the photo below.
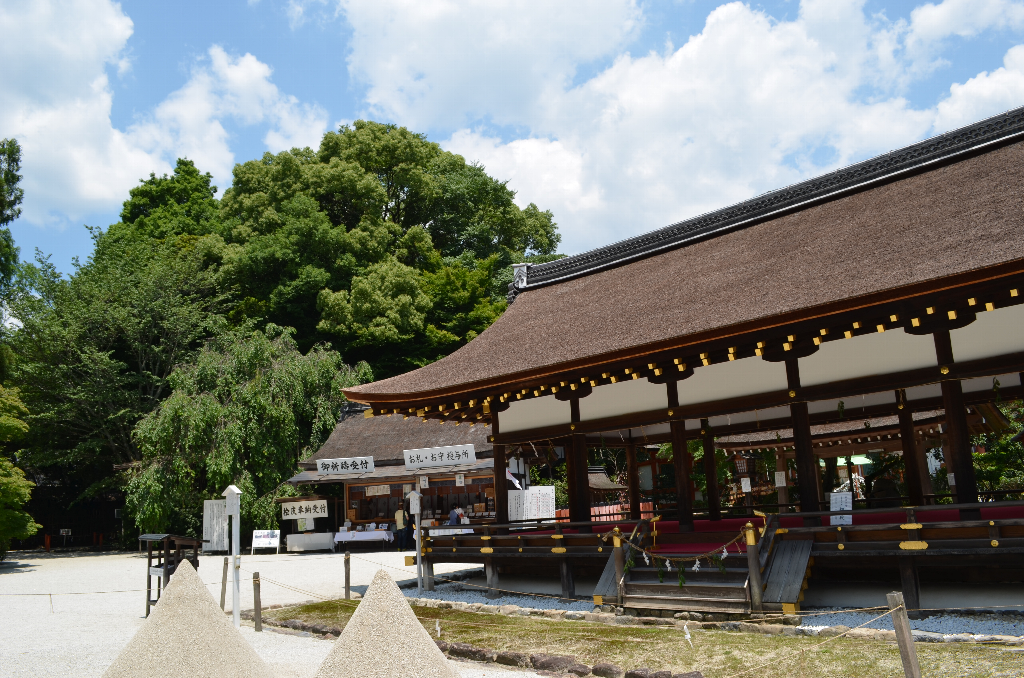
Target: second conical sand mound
(187, 635)
(383, 639)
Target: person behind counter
(455, 516)
(401, 521)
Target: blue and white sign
(430, 457)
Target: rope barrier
(803, 651)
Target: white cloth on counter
(374, 535)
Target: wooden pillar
(808, 475)
(956, 422)
(633, 482)
(711, 471)
(500, 486)
(684, 501)
(911, 585)
(780, 467)
(911, 461)
(568, 585)
(578, 477)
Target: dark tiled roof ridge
(882, 168)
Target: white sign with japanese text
(430, 457)
(293, 510)
(841, 501)
(378, 490)
(344, 466)
(780, 479)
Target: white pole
(419, 556)
(234, 511)
(236, 533)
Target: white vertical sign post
(414, 510)
(234, 506)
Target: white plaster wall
(867, 355)
(994, 333)
(625, 397)
(534, 413)
(732, 379)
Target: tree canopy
(205, 340)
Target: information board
(215, 524)
(266, 539)
(841, 501)
(536, 503)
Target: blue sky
(618, 116)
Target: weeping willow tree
(244, 413)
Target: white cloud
(190, 121)
(448, 62)
(57, 103)
(747, 105)
(985, 94)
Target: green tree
(11, 195)
(181, 204)
(244, 412)
(15, 489)
(94, 351)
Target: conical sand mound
(383, 639)
(187, 635)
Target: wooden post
(808, 475)
(911, 583)
(754, 566)
(568, 586)
(257, 608)
(633, 482)
(956, 421)
(911, 461)
(491, 575)
(428, 575)
(348, 575)
(500, 484)
(780, 467)
(224, 584)
(576, 469)
(904, 637)
(711, 471)
(620, 565)
(684, 500)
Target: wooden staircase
(707, 590)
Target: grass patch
(717, 654)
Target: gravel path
(70, 614)
(466, 594)
(978, 624)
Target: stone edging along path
(563, 664)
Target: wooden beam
(710, 471)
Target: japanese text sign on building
(430, 457)
(841, 501)
(293, 510)
(347, 465)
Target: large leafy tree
(245, 412)
(94, 350)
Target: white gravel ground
(977, 624)
(98, 603)
(458, 592)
